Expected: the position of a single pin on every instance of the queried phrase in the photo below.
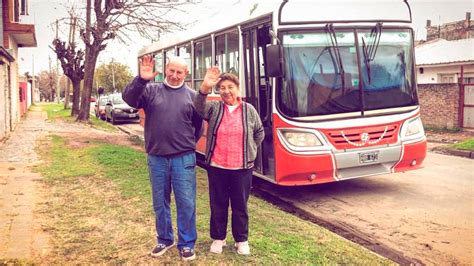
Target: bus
(334, 83)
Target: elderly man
(172, 128)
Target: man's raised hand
(146, 68)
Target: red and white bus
(334, 84)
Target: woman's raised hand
(147, 64)
(210, 80)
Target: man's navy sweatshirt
(172, 125)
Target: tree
(112, 76)
(73, 67)
(119, 19)
(46, 85)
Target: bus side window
(202, 60)
(185, 52)
(227, 52)
(159, 67)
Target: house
(445, 77)
(14, 35)
(443, 61)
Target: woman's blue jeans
(178, 174)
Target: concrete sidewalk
(21, 235)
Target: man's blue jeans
(177, 174)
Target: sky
(44, 13)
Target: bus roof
(235, 15)
(296, 11)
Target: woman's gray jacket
(213, 111)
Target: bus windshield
(346, 71)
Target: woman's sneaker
(243, 248)
(160, 249)
(187, 253)
(217, 245)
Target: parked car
(99, 108)
(116, 109)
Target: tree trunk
(91, 59)
(76, 92)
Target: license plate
(132, 115)
(368, 157)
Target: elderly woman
(233, 135)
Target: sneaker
(160, 249)
(243, 248)
(217, 246)
(187, 253)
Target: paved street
(425, 215)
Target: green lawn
(99, 209)
(464, 145)
(56, 112)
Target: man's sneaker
(217, 245)
(187, 253)
(243, 248)
(160, 249)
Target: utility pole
(113, 74)
(72, 33)
(51, 97)
(58, 94)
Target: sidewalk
(21, 191)
(21, 235)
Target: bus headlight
(301, 139)
(412, 129)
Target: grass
(99, 209)
(56, 112)
(464, 145)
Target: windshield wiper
(340, 68)
(370, 49)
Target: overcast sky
(43, 13)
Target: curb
(442, 149)
(461, 153)
(130, 132)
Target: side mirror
(274, 60)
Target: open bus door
(258, 89)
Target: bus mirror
(274, 61)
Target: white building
(440, 61)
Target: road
(426, 216)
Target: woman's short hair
(230, 77)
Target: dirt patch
(448, 137)
(83, 139)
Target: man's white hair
(177, 60)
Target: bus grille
(363, 137)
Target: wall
(463, 29)
(432, 74)
(439, 105)
(14, 85)
(4, 114)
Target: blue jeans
(177, 174)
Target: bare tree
(73, 67)
(120, 19)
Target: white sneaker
(217, 246)
(243, 248)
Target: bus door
(258, 89)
